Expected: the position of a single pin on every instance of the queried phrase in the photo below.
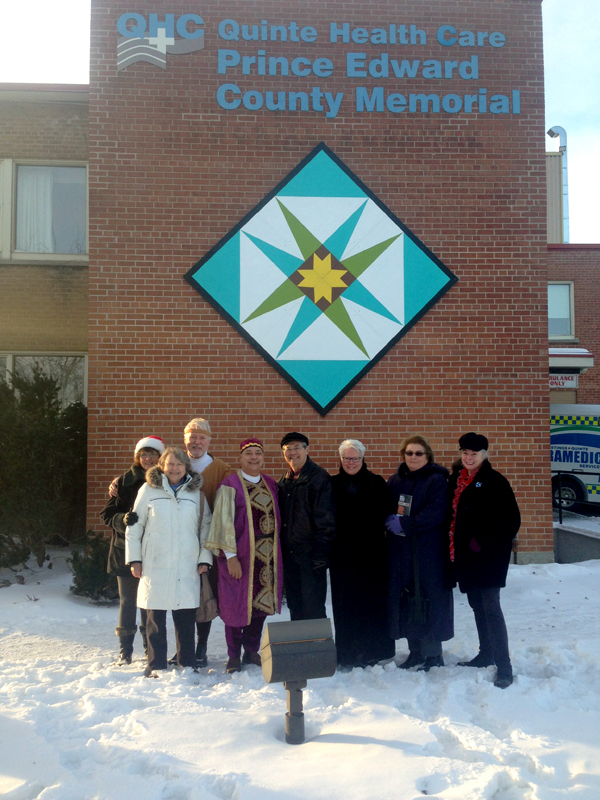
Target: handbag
(208, 608)
(414, 605)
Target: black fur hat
(473, 441)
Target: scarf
(464, 479)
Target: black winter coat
(112, 515)
(425, 528)
(487, 521)
(307, 513)
(359, 568)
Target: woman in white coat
(165, 549)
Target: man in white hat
(196, 436)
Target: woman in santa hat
(115, 514)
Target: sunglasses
(418, 453)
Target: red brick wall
(580, 263)
(44, 130)
(171, 174)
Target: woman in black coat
(484, 520)
(420, 593)
(357, 565)
(116, 514)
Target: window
(43, 211)
(560, 310)
(69, 372)
(50, 209)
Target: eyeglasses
(417, 453)
(295, 449)
(351, 460)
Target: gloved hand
(474, 545)
(130, 518)
(393, 524)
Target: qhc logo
(150, 40)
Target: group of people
(193, 536)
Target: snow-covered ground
(73, 726)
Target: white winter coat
(167, 542)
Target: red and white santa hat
(155, 442)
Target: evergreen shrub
(88, 565)
(42, 468)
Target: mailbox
(292, 653)
(298, 651)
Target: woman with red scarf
(485, 519)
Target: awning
(576, 360)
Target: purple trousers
(248, 636)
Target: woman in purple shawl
(244, 536)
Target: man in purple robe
(244, 535)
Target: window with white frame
(43, 211)
(68, 371)
(50, 209)
(560, 310)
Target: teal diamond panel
(321, 278)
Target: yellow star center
(322, 278)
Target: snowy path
(75, 727)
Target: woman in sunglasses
(420, 588)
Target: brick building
(44, 280)
(574, 274)
(184, 148)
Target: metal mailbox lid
(299, 630)
(287, 649)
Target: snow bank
(73, 726)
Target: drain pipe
(555, 131)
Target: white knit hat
(155, 442)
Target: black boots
(201, 655)
(431, 661)
(202, 629)
(413, 660)
(126, 637)
(480, 660)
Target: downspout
(555, 131)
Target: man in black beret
(307, 529)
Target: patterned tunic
(246, 522)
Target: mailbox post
(294, 718)
(292, 653)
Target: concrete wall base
(544, 557)
(571, 545)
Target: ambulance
(575, 450)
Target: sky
(572, 74)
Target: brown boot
(233, 665)
(251, 658)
